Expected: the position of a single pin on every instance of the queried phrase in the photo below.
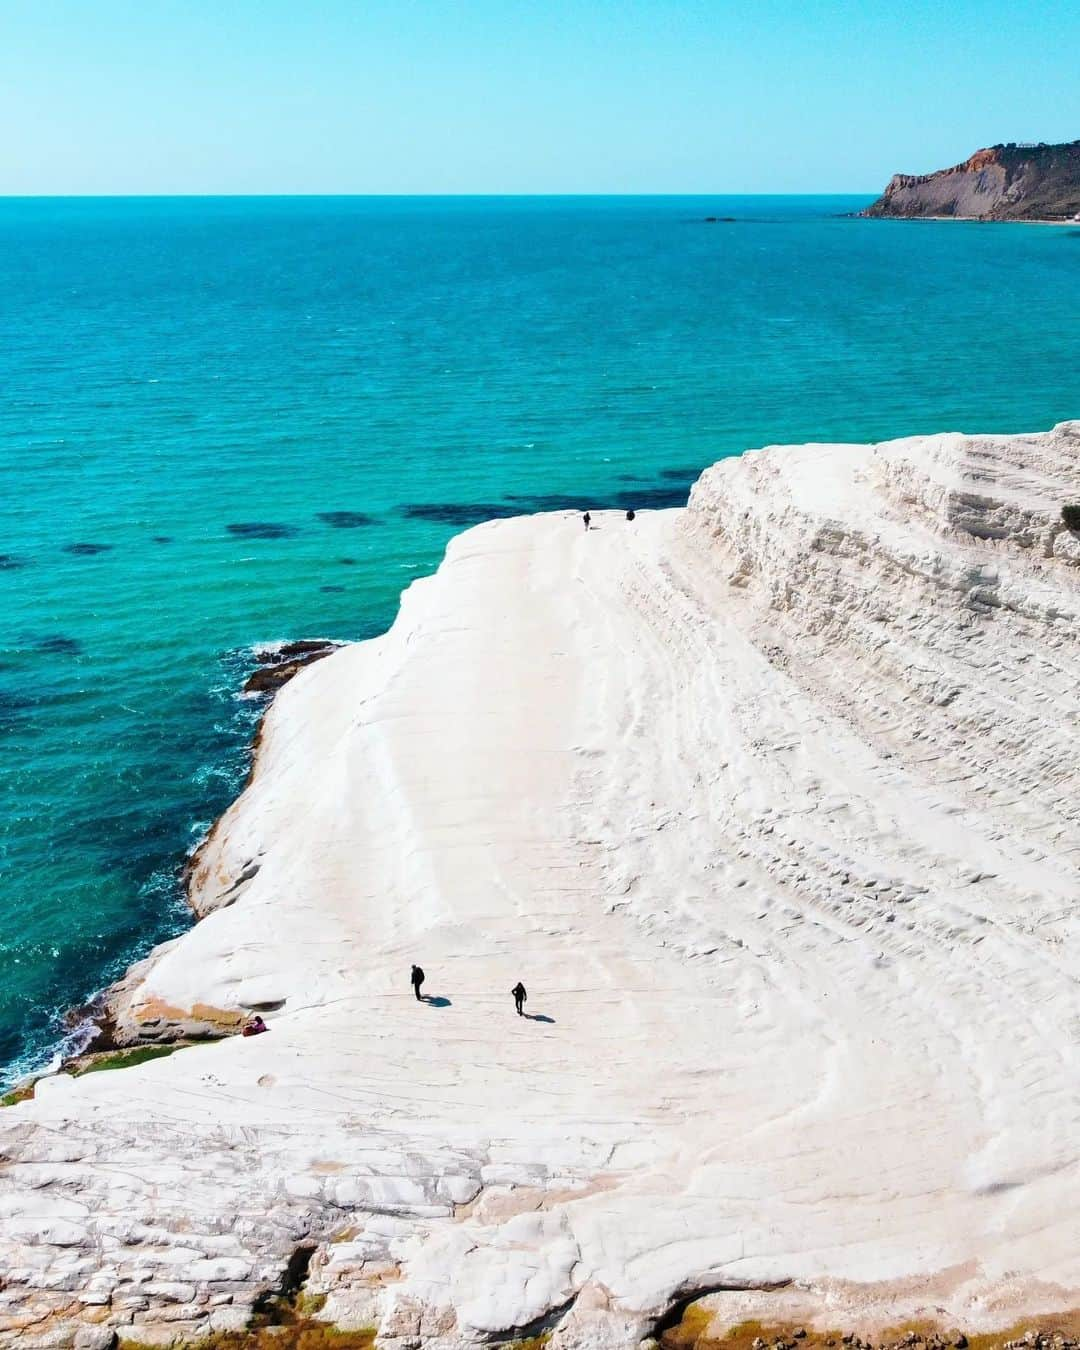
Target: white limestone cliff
(772, 803)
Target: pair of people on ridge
(519, 992)
(587, 518)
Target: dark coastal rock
(346, 520)
(261, 529)
(277, 665)
(1004, 182)
(87, 550)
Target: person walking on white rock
(520, 996)
(586, 519)
(417, 978)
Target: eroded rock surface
(772, 805)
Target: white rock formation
(773, 805)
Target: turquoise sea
(227, 421)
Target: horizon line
(239, 196)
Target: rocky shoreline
(276, 664)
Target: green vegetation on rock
(125, 1059)
(19, 1094)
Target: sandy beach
(770, 802)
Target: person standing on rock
(417, 978)
(520, 996)
(586, 520)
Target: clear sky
(239, 96)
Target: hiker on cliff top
(520, 996)
(417, 978)
(586, 520)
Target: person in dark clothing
(520, 996)
(587, 519)
(629, 515)
(417, 978)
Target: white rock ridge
(772, 803)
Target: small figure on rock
(417, 978)
(586, 520)
(255, 1027)
(520, 996)
(629, 515)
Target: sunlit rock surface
(772, 803)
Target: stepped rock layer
(1005, 182)
(772, 803)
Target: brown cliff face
(1003, 182)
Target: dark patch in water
(346, 520)
(459, 513)
(347, 562)
(9, 562)
(331, 588)
(13, 709)
(261, 529)
(60, 645)
(681, 475)
(549, 501)
(658, 496)
(654, 498)
(163, 538)
(86, 550)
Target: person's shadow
(436, 1001)
(539, 1017)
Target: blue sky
(161, 96)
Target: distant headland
(1005, 182)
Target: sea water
(229, 421)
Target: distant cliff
(1005, 182)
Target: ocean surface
(229, 421)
